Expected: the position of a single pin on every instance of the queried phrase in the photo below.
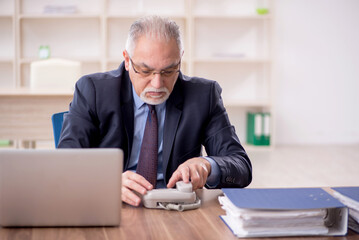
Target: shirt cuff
(215, 176)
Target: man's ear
(127, 60)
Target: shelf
(59, 16)
(139, 8)
(84, 59)
(123, 16)
(78, 38)
(16, 92)
(6, 60)
(238, 42)
(233, 17)
(5, 16)
(231, 60)
(137, 15)
(246, 103)
(121, 59)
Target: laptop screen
(60, 187)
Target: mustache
(152, 89)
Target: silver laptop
(62, 187)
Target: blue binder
(350, 192)
(353, 194)
(282, 198)
(288, 199)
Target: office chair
(57, 120)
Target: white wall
(316, 55)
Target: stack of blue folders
(283, 212)
(350, 197)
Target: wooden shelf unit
(226, 41)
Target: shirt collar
(137, 99)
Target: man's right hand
(134, 182)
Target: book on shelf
(278, 212)
(350, 197)
(258, 128)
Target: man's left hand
(195, 170)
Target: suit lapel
(174, 108)
(127, 112)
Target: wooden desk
(25, 114)
(141, 223)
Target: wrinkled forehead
(156, 49)
(157, 37)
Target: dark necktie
(148, 160)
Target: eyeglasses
(165, 73)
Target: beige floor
(305, 166)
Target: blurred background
(289, 69)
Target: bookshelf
(225, 40)
(236, 53)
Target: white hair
(153, 27)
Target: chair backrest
(57, 120)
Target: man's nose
(157, 81)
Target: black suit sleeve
(223, 146)
(80, 126)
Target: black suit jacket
(101, 116)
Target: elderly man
(158, 116)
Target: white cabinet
(224, 40)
